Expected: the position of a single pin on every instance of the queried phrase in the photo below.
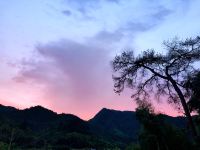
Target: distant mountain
(108, 127)
(123, 125)
(117, 124)
(40, 118)
(38, 114)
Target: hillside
(42, 127)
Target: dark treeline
(40, 128)
(156, 134)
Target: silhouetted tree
(163, 74)
(193, 86)
(156, 134)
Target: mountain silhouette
(117, 124)
(107, 127)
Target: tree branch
(154, 72)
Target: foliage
(193, 86)
(164, 74)
(21, 129)
(133, 146)
(3, 146)
(156, 134)
(151, 68)
(109, 129)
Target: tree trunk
(185, 107)
(11, 139)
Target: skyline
(57, 53)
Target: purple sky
(57, 53)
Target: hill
(44, 128)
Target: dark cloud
(161, 13)
(115, 1)
(67, 12)
(83, 6)
(132, 27)
(109, 37)
(149, 21)
(137, 26)
(68, 69)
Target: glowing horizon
(89, 117)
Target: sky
(57, 53)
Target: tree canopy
(192, 84)
(162, 74)
(156, 133)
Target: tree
(156, 133)
(193, 86)
(163, 74)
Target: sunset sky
(57, 53)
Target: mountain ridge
(107, 127)
(114, 120)
(45, 108)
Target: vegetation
(164, 74)
(156, 134)
(172, 75)
(22, 129)
(109, 129)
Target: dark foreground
(40, 128)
